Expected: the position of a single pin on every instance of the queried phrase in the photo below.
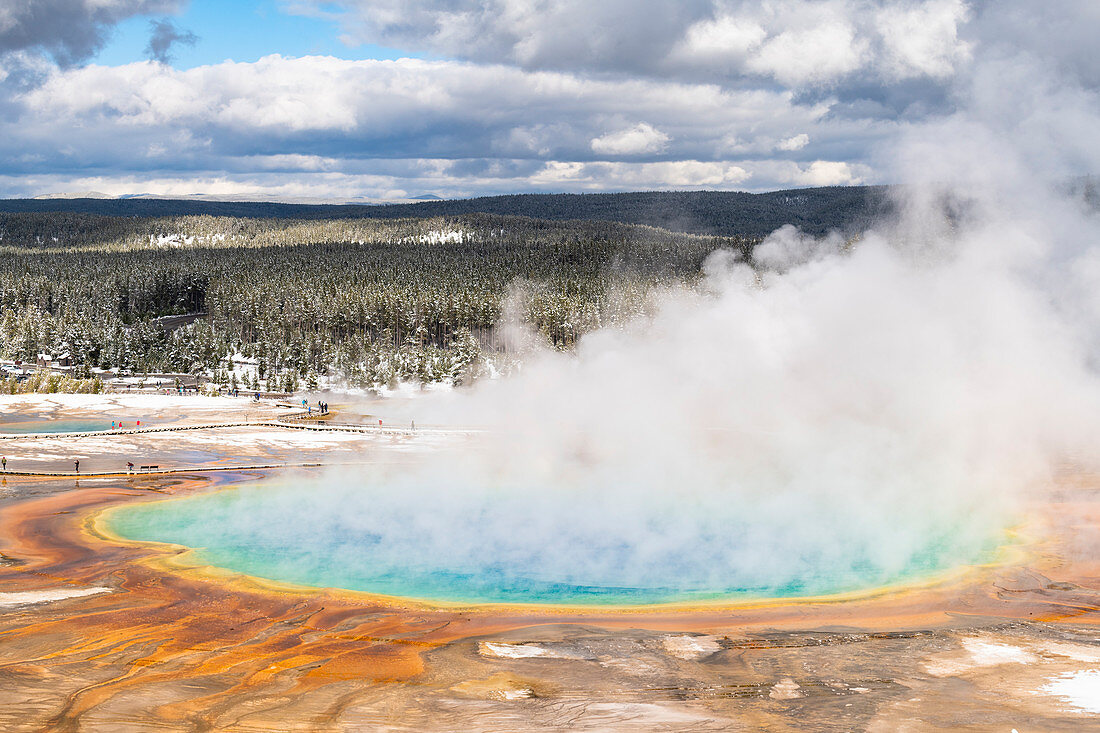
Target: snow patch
(180, 239)
(520, 694)
(1081, 690)
(107, 401)
(511, 651)
(979, 653)
(786, 689)
(520, 651)
(26, 598)
(691, 647)
(988, 654)
(1077, 652)
(441, 236)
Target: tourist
(77, 465)
(4, 464)
(129, 467)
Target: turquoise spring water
(55, 426)
(416, 548)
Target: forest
(305, 303)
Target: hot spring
(30, 424)
(55, 426)
(512, 546)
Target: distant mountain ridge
(814, 210)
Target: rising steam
(838, 409)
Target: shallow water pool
(469, 550)
(20, 426)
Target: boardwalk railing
(290, 422)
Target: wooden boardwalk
(285, 423)
(302, 421)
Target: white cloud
(923, 39)
(794, 143)
(725, 41)
(826, 173)
(794, 42)
(290, 162)
(665, 174)
(381, 182)
(810, 55)
(346, 112)
(641, 138)
(570, 95)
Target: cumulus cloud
(923, 40)
(527, 96)
(826, 173)
(725, 42)
(791, 41)
(669, 174)
(641, 138)
(143, 115)
(69, 30)
(813, 54)
(796, 142)
(295, 177)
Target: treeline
(717, 213)
(368, 302)
(50, 384)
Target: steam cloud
(837, 412)
(840, 411)
(838, 408)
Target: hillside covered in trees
(715, 213)
(363, 302)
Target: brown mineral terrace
(102, 634)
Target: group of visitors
(322, 407)
(4, 465)
(137, 425)
(76, 465)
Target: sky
(394, 99)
